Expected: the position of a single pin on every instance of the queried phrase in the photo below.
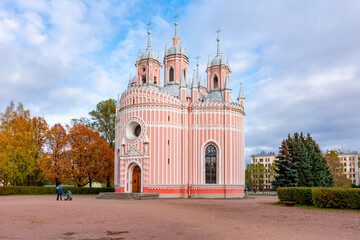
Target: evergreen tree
(301, 163)
(321, 171)
(285, 168)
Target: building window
(155, 80)
(171, 74)
(216, 82)
(143, 78)
(184, 74)
(210, 164)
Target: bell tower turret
(148, 65)
(218, 69)
(175, 61)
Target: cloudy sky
(299, 61)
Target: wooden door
(136, 180)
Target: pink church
(184, 139)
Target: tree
(18, 146)
(301, 163)
(339, 178)
(88, 157)
(41, 173)
(56, 145)
(333, 161)
(103, 120)
(285, 168)
(249, 177)
(254, 176)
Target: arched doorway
(136, 180)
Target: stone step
(136, 196)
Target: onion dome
(176, 48)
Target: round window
(133, 130)
(143, 69)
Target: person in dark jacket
(59, 192)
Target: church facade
(184, 138)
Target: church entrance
(136, 180)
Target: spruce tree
(300, 163)
(301, 156)
(321, 171)
(285, 168)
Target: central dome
(176, 49)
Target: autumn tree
(88, 156)
(339, 177)
(333, 161)
(56, 145)
(18, 149)
(41, 173)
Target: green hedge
(344, 198)
(301, 195)
(24, 190)
(336, 198)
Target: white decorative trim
(133, 152)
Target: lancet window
(210, 164)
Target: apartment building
(265, 158)
(350, 163)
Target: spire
(166, 50)
(176, 38)
(227, 82)
(182, 82)
(218, 41)
(241, 93)
(194, 83)
(197, 65)
(130, 80)
(118, 101)
(176, 23)
(149, 33)
(138, 55)
(208, 65)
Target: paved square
(42, 217)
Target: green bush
(336, 198)
(301, 195)
(25, 190)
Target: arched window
(210, 164)
(171, 74)
(216, 82)
(185, 74)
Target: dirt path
(41, 217)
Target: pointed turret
(227, 82)
(182, 82)
(194, 88)
(130, 81)
(195, 83)
(241, 97)
(182, 89)
(118, 104)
